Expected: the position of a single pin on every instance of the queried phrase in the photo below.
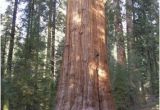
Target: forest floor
(151, 105)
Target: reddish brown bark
(84, 81)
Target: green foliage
(121, 88)
(138, 79)
(31, 86)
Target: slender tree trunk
(53, 27)
(31, 29)
(131, 66)
(121, 94)
(84, 82)
(28, 42)
(37, 24)
(129, 20)
(11, 45)
(130, 41)
(3, 54)
(152, 70)
(28, 33)
(121, 57)
(53, 37)
(3, 68)
(49, 36)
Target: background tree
(6, 22)
(137, 20)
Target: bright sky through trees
(3, 6)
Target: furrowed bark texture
(84, 81)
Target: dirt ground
(151, 106)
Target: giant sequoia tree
(84, 82)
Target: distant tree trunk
(53, 37)
(51, 48)
(84, 83)
(11, 45)
(152, 65)
(3, 54)
(131, 66)
(37, 24)
(28, 33)
(49, 36)
(29, 36)
(121, 57)
(130, 40)
(120, 89)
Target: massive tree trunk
(84, 82)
